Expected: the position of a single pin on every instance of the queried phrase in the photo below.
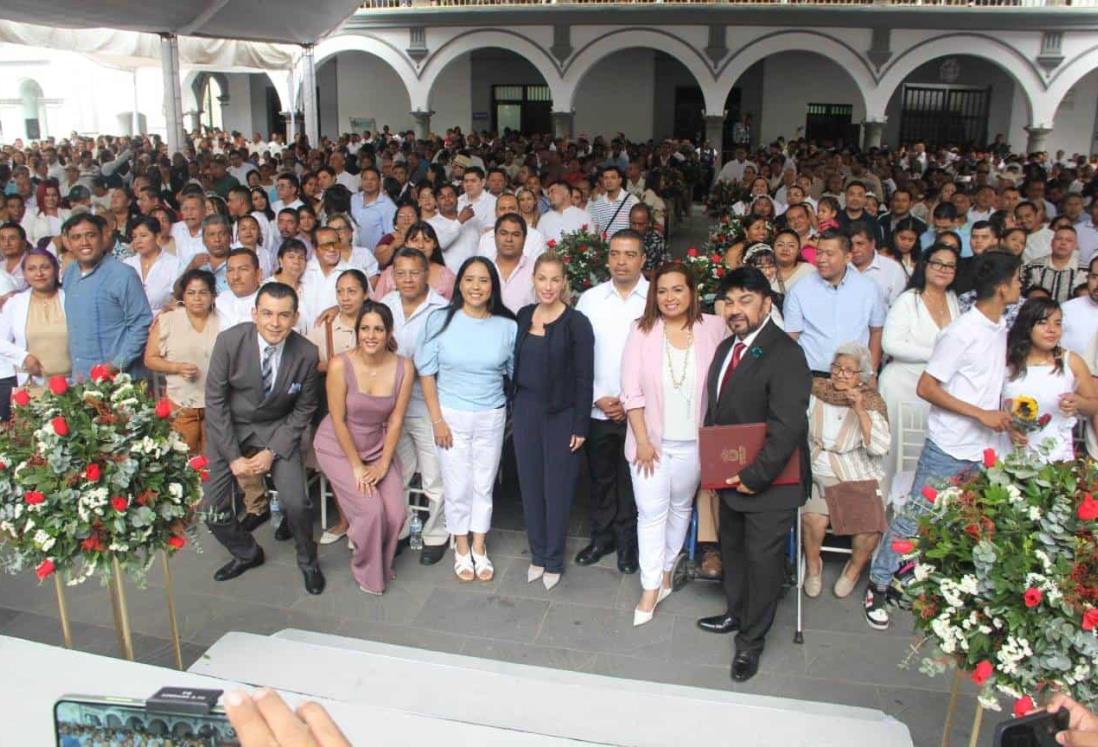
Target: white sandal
(464, 564)
(482, 563)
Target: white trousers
(663, 508)
(416, 450)
(469, 468)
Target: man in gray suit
(261, 393)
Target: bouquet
(708, 269)
(1025, 415)
(91, 472)
(1005, 578)
(721, 199)
(727, 232)
(585, 256)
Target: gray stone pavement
(585, 624)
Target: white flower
(951, 592)
(985, 629)
(923, 571)
(175, 490)
(1014, 493)
(968, 585)
(1034, 513)
(990, 702)
(1046, 563)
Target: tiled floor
(585, 624)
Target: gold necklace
(678, 381)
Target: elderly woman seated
(848, 436)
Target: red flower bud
(33, 497)
(91, 544)
(93, 472)
(204, 475)
(1023, 705)
(101, 372)
(163, 408)
(198, 462)
(58, 385)
(929, 493)
(551, 244)
(1088, 509)
(60, 426)
(1090, 619)
(983, 672)
(990, 457)
(44, 569)
(902, 546)
(119, 504)
(177, 541)
(1033, 597)
(20, 397)
(692, 251)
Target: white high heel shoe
(550, 580)
(533, 573)
(640, 617)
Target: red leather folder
(726, 450)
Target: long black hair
(457, 302)
(425, 228)
(383, 311)
(1019, 341)
(918, 275)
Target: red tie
(737, 353)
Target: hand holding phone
(263, 719)
(1037, 729)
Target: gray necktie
(268, 370)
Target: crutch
(798, 636)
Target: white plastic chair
(911, 422)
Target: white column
(173, 96)
(423, 124)
(308, 96)
(135, 129)
(291, 107)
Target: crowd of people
(389, 311)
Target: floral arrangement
(708, 269)
(585, 256)
(91, 472)
(727, 232)
(1025, 415)
(722, 197)
(1005, 578)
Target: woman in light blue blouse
(464, 354)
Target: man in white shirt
(234, 306)
(318, 283)
(411, 303)
(534, 244)
(461, 239)
(238, 167)
(1081, 315)
(885, 272)
(732, 172)
(1038, 235)
(963, 383)
(347, 179)
(562, 217)
(288, 187)
(476, 203)
(516, 269)
(612, 307)
(188, 231)
(610, 210)
(1087, 233)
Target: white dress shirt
(276, 357)
(160, 282)
(611, 318)
(279, 206)
(747, 343)
(533, 247)
(348, 180)
(1080, 324)
(1038, 244)
(446, 229)
(484, 210)
(553, 225)
(887, 274)
(406, 331)
(318, 291)
(187, 245)
(233, 309)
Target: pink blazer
(642, 371)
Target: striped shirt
(611, 216)
(1058, 283)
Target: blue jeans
(935, 466)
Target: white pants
(469, 468)
(416, 450)
(663, 508)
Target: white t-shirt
(887, 274)
(533, 247)
(233, 309)
(1080, 324)
(969, 359)
(611, 319)
(186, 246)
(553, 225)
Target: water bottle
(276, 509)
(415, 541)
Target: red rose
(902, 546)
(1090, 619)
(119, 504)
(1023, 705)
(60, 426)
(1033, 597)
(204, 475)
(198, 462)
(44, 569)
(33, 497)
(1043, 421)
(20, 397)
(982, 672)
(93, 472)
(177, 541)
(929, 493)
(990, 457)
(692, 251)
(1088, 509)
(551, 244)
(101, 372)
(58, 385)
(163, 408)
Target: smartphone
(89, 721)
(1035, 730)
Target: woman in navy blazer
(552, 391)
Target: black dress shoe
(314, 580)
(251, 522)
(401, 544)
(725, 623)
(627, 560)
(593, 552)
(431, 554)
(745, 665)
(283, 532)
(236, 566)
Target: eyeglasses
(942, 266)
(844, 372)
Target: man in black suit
(758, 375)
(261, 392)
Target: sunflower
(1024, 408)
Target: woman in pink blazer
(666, 360)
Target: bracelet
(436, 422)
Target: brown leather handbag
(855, 507)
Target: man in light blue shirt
(944, 219)
(106, 309)
(835, 306)
(372, 210)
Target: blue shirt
(931, 235)
(828, 316)
(221, 276)
(470, 358)
(374, 219)
(108, 316)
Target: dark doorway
(944, 115)
(525, 108)
(275, 122)
(689, 113)
(732, 106)
(830, 123)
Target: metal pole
(121, 611)
(952, 707)
(171, 611)
(173, 95)
(63, 610)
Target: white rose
(175, 490)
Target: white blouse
(160, 282)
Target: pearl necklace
(678, 381)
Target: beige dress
(48, 336)
(182, 343)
